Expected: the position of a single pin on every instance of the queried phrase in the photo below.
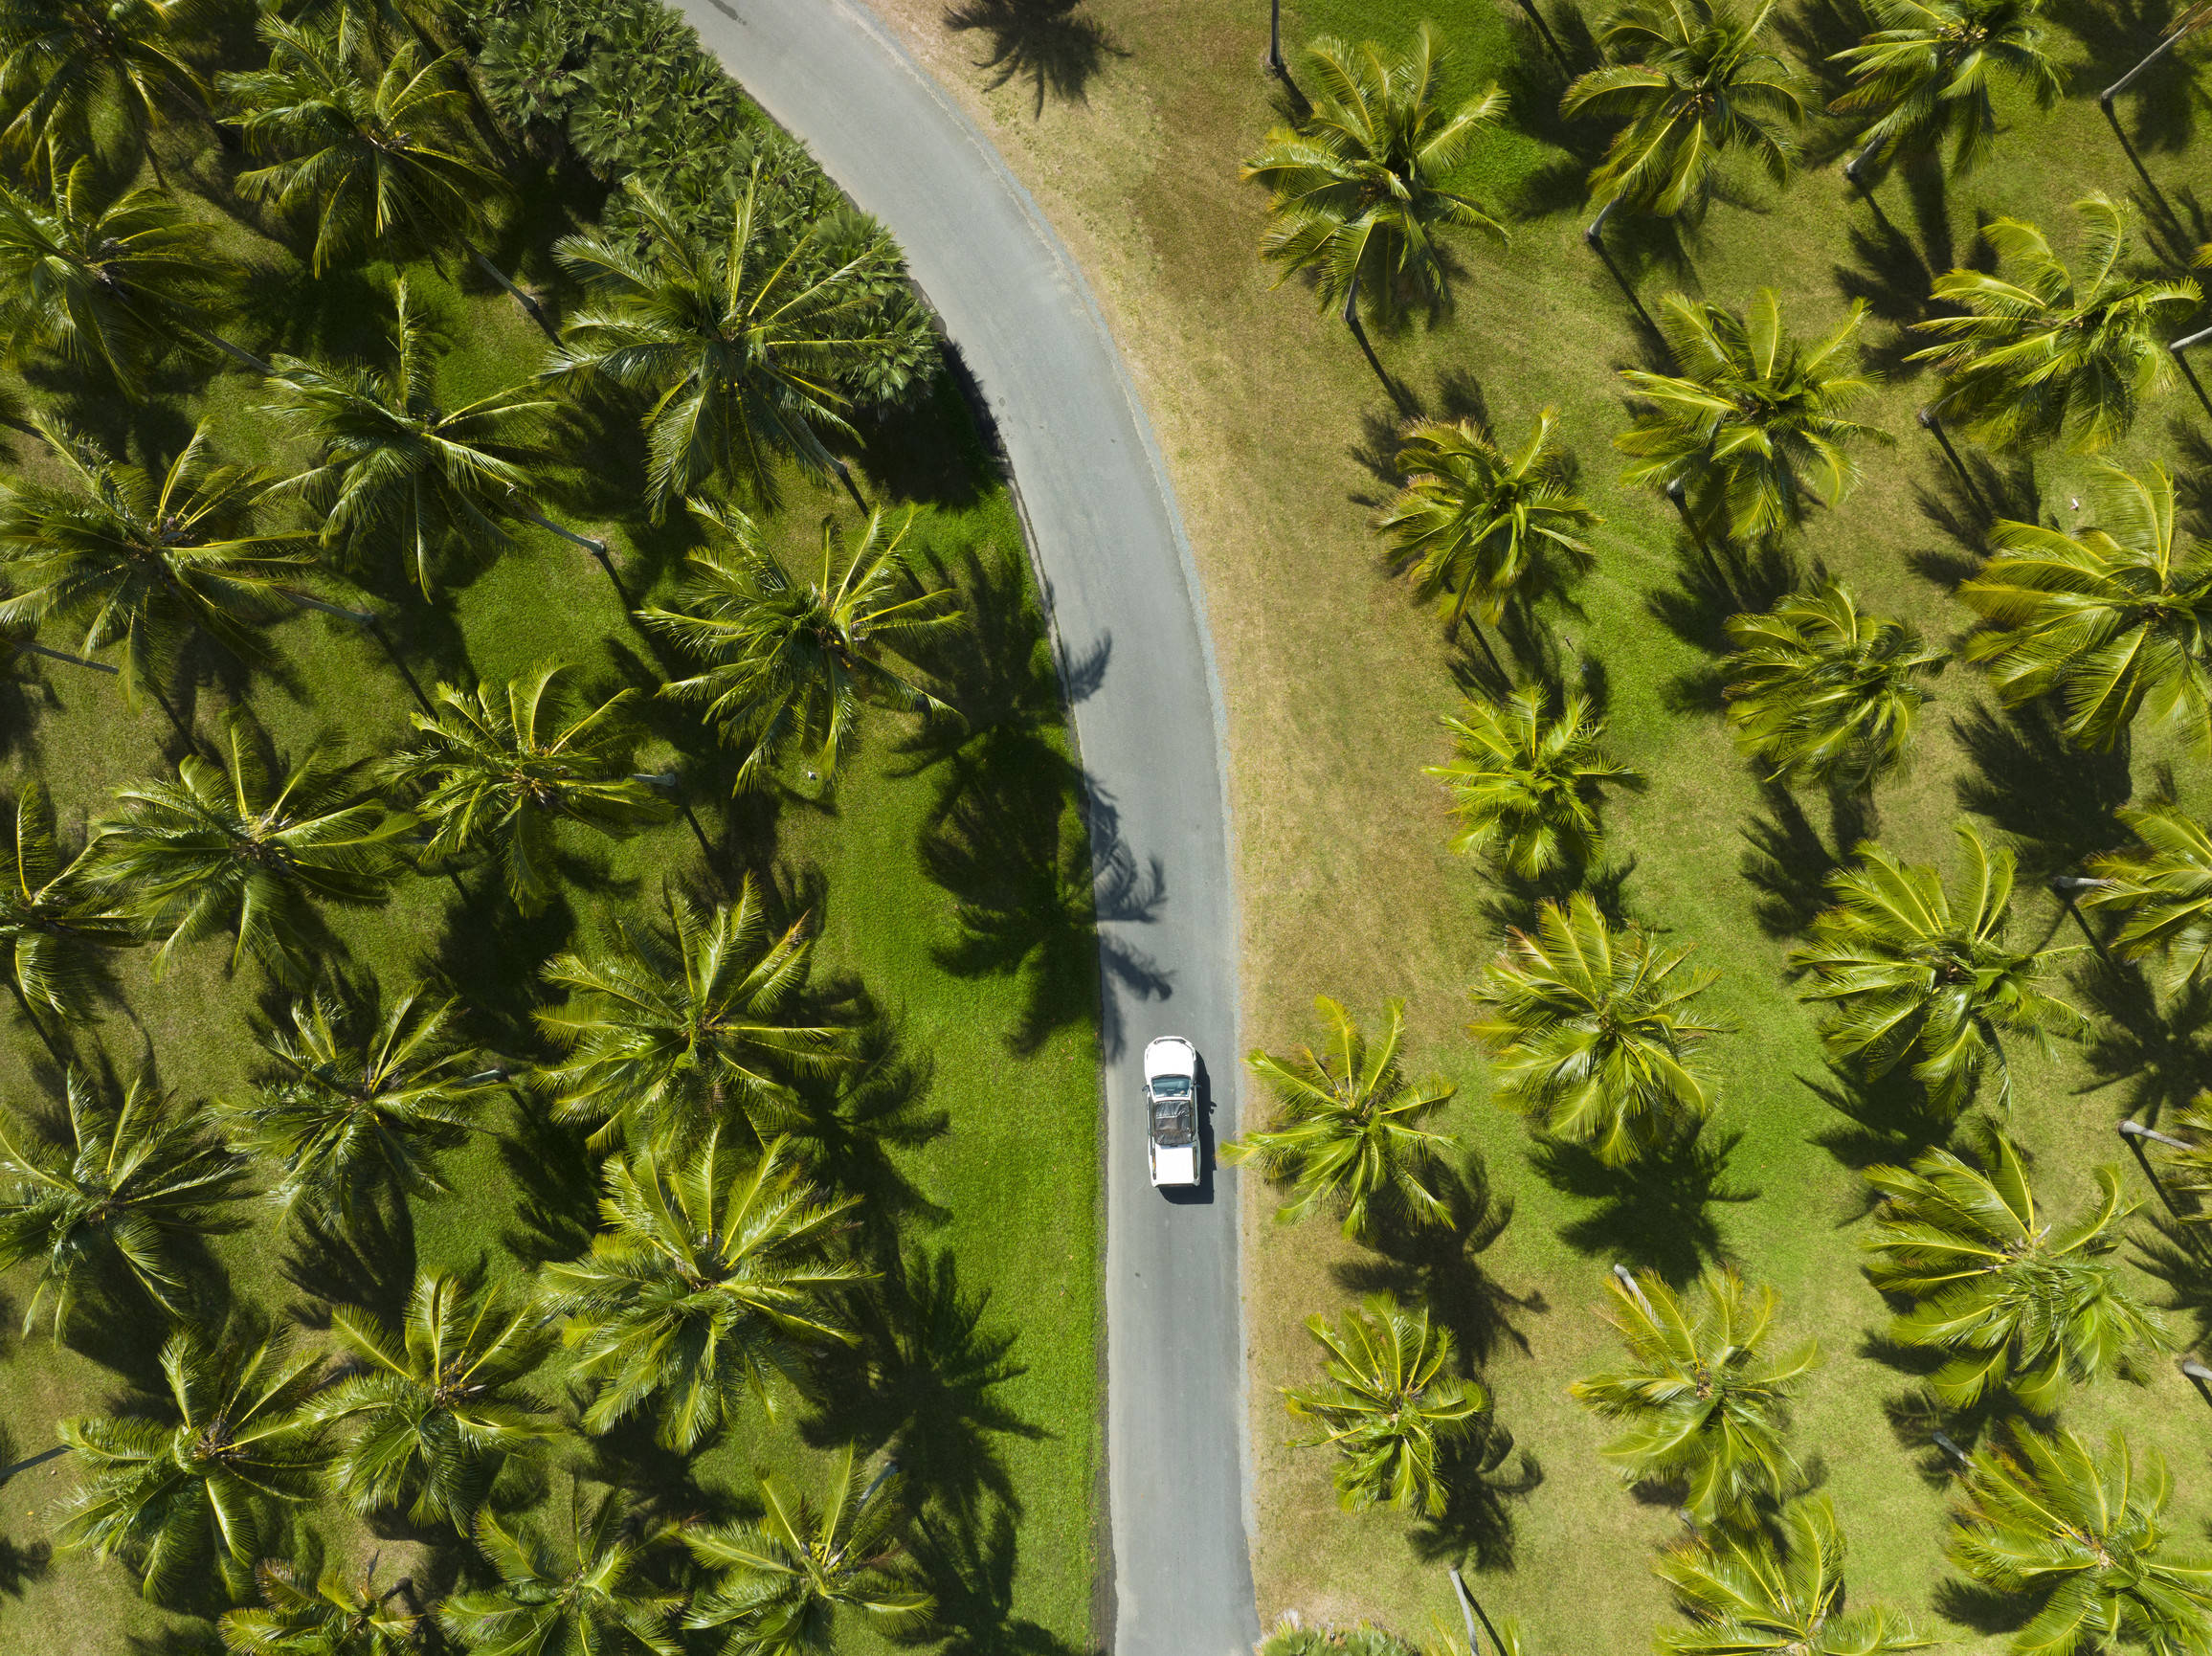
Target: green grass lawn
(921, 873)
(1279, 438)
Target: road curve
(1130, 624)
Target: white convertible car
(1172, 1110)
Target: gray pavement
(1131, 627)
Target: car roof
(1170, 1055)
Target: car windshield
(1172, 1123)
(1171, 1087)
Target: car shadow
(1201, 1194)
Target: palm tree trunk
(1489, 655)
(1594, 235)
(2104, 102)
(2197, 1374)
(65, 656)
(369, 623)
(236, 353)
(1851, 167)
(2133, 1134)
(2182, 362)
(598, 549)
(1351, 315)
(185, 732)
(529, 305)
(1468, 1601)
(1275, 38)
(845, 476)
(672, 784)
(1550, 41)
(45, 1039)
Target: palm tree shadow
(556, 1178)
(2179, 1253)
(1788, 862)
(969, 1566)
(1653, 1212)
(2161, 108)
(1713, 582)
(850, 1119)
(2159, 1054)
(1052, 44)
(1478, 1520)
(1965, 508)
(1437, 1266)
(922, 1382)
(1887, 1122)
(2018, 759)
(367, 1261)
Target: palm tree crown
(57, 921)
(748, 348)
(2163, 887)
(355, 1095)
(2018, 1302)
(502, 766)
(2039, 354)
(1779, 1594)
(394, 470)
(2112, 619)
(65, 64)
(107, 284)
(437, 1405)
(674, 1034)
(1753, 428)
(1391, 1406)
(169, 1492)
(338, 1615)
(1589, 1033)
(393, 164)
(576, 1595)
(789, 1576)
(246, 845)
(126, 1184)
(1358, 190)
(1526, 782)
(1823, 692)
(2085, 1532)
(1925, 76)
(791, 658)
(122, 558)
(1905, 965)
(1696, 83)
(1477, 523)
(713, 1267)
(1702, 1403)
(1346, 1134)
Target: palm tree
(438, 1405)
(1823, 692)
(2037, 353)
(1392, 1407)
(673, 1033)
(2016, 1302)
(167, 1492)
(355, 1096)
(393, 165)
(107, 286)
(123, 1186)
(2112, 619)
(1695, 82)
(499, 767)
(1752, 429)
(1348, 1134)
(1589, 1033)
(67, 67)
(2084, 1533)
(248, 845)
(1906, 967)
(745, 349)
(142, 562)
(1357, 192)
(1702, 1403)
(1925, 76)
(2184, 1147)
(2163, 887)
(56, 923)
(394, 470)
(339, 1615)
(713, 1267)
(790, 1577)
(576, 1595)
(1477, 523)
(790, 659)
(1526, 784)
(1778, 1595)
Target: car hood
(1175, 1164)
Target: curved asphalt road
(1128, 616)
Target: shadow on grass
(969, 1566)
(929, 449)
(846, 1124)
(1053, 45)
(556, 1180)
(2158, 1054)
(1886, 1123)
(1652, 1213)
(1477, 1521)
(2179, 1253)
(922, 1382)
(1711, 583)
(1437, 1266)
(2013, 755)
(367, 1261)
(1788, 862)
